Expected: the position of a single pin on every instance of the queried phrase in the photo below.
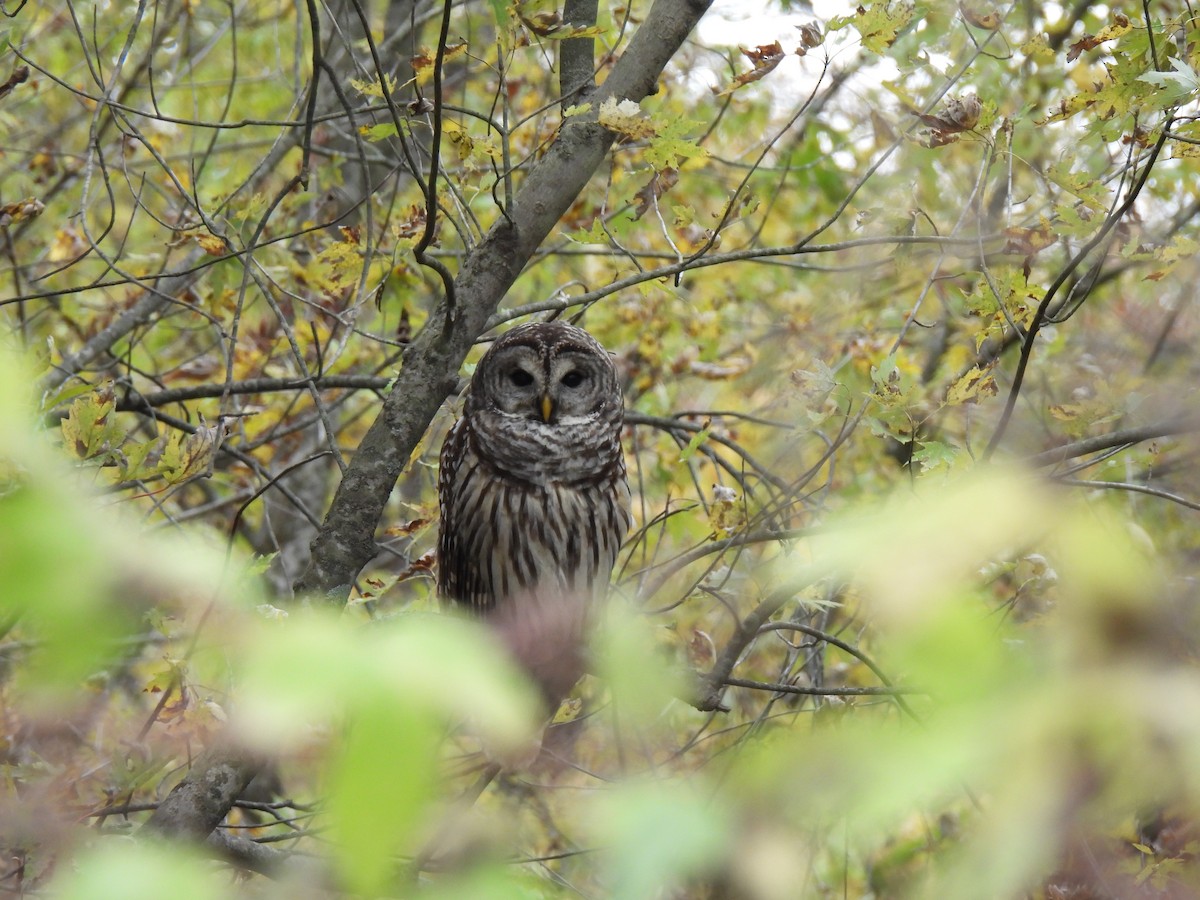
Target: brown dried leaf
(659, 184)
(1028, 241)
(1119, 26)
(411, 224)
(20, 210)
(404, 529)
(810, 36)
(19, 76)
(765, 57)
(989, 20)
(1085, 43)
(959, 114)
(419, 566)
(543, 23)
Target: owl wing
(460, 577)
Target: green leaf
(499, 11)
(1181, 85)
(659, 834)
(89, 428)
(593, 235)
(879, 23)
(68, 391)
(133, 459)
(694, 444)
(669, 148)
(55, 574)
(932, 455)
(380, 788)
(119, 868)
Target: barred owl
(533, 495)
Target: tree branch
(1163, 428)
(713, 684)
(577, 56)
(1040, 315)
(198, 804)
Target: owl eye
(573, 379)
(520, 378)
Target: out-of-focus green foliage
(385, 696)
(122, 868)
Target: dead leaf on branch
(20, 211)
(411, 225)
(422, 565)
(959, 114)
(1027, 241)
(19, 76)
(409, 528)
(543, 23)
(425, 60)
(1120, 26)
(810, 36)
(659, 184)
(988, 20)
(764, 58)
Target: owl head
(548, 373)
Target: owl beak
(547, 407)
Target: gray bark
(197, 804)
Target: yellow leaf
(373, 88)
(1038, 48)
(20, 211)
(425, 60)
(68, 244)
(210, 244)
(726, 514)
(972, 386)
(568, 711)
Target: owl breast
(566, 452)
(538, 520)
